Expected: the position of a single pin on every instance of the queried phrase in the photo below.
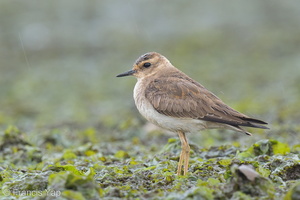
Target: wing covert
(185, 98)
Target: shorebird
(170, 99)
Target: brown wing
(187, 98)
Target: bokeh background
(59, 59)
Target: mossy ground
(135, 168)
(69, 129)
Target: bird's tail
(250, 122)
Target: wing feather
(185, 98)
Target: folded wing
(186, 98)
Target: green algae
(122, 154)
(69, 155)
(225, 162)
(130, 170)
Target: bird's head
(148, 65)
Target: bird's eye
(147, 64)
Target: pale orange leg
(180, 163)
(184, 155)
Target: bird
(172, 100)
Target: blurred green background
(59, 59)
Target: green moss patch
(267, 169)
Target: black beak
(130, 72)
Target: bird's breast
(161, 120)
(141, 102)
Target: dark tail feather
(257, 121)
(255, 126)
(240, 129)
(254, 123)
(248, 122)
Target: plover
(172, 100)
